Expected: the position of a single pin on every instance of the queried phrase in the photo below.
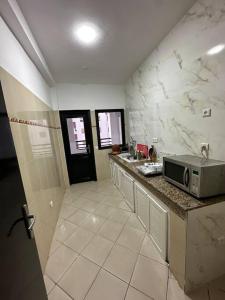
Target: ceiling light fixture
(215, 50)
(87, 33)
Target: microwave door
(177, 174)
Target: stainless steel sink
(127, 157)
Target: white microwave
(195, 175)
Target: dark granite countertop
(176, 199)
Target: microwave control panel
(195, 182)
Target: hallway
(101, 252)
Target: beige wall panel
(101, 156)
(39, 159)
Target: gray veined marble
(166, 95)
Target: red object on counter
(142, 148)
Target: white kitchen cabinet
(152, 214)
(142, 201)
(159, 226)
(116, 175)
(128, 189)
(120, 178)
(111, 165)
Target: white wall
(89, 96)
(14, 60)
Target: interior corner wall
(16, 62)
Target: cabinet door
(129, 191)
(158, 227)
(111, 165)
(120, 175)
(115, 173)
(117, 176)
(122, 180)
(142, 203)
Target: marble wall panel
(205, 259)
(166, 95)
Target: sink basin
(127, 157)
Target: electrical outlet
(205, 146)
(155, 140)
(51, 204)
(206, 112)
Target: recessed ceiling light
(216, 49)
(87, 33)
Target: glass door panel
(77, 137)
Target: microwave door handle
(186, 177)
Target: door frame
(66, 144)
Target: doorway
(78, 144)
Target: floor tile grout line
(151, 298)
(56, 282)
(133, 269)
(80, 225)
(79, 254)
(85, 245)
(101, 267)
(64, 291)
(108, 218)
(48, 292)
(50, 254)
(99, 202)
(150, 258)
(114, 244)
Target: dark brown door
(78, 144)
(21, 276)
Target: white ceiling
(131, 30)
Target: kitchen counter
(176, 199)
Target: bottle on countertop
(152, 154)
(139, 155)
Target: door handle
(31, 217)
(29, 221)
(186, 177)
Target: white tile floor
(101, 252)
